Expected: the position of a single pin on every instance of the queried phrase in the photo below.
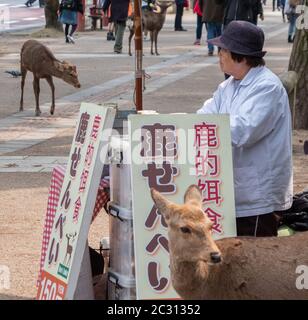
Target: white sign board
(77, 199)
(169, 153)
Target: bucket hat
(241, 37)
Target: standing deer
(38, 59)
(152, 21)
(69, 248)
(230, 268)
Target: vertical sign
(77, 199)
(169, 153)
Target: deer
(38, 59)
(231, 268)
(152, 21)
(69, 248)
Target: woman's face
(227, 64)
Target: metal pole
(138, 53)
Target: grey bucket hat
(241, 37)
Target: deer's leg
(152, 39)
(131, 33)
(36, 88)
(52, 87)
(23, 78)
(155, 40)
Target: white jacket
(261, 134)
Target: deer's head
(189, 228)
(71, 235)
(161, 6)
(69, 73)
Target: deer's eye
(185, 230)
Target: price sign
(51, 288)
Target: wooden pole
(138, 53)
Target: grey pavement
(179, 80)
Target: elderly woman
(261, 129)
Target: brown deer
(69, 248)
(38, 59)
(230, 268)
(152, 21)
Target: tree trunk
(299, 64)
(51, 14)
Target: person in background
(212, 15)
(261, 130)
(257, 11)
(290, 11)
(69, 17)
(282, 5)
(237, 10)
(197, 10)
(274, 5)
(110, 32)
(111, 29)
(119, 14)
(29, 3)
(178, 16)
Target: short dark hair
(250, 60)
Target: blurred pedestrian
(282, 5)
(212, 15)
(237, 10)
(197, 10)
(290, 11)
(29, 3)
(257, 11)
(278, 5)
(119, 14)
(69, 17)
(179, 14)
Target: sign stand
(67, 270)
(84, 289)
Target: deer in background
(230, 268)
(38, 59)
(152, 21)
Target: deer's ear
(157, 9)
(193, 194)
(162, 204)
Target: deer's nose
(215, 257)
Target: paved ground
(18, 17)
(180, 79)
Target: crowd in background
(214, 15)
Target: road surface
(14, 15)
